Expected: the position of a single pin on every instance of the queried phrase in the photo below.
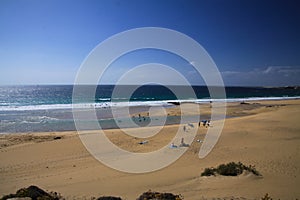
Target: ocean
(49, 107)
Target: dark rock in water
(176, 103)
(33, 192)
(109, 198)
(244, 103)
(159, 196)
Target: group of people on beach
(188, 125)
(205, 123)
(182, 144)
(140, 118)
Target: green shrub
(230, 169)
(251, 168)
(33, 192)
(109, 198)
(266, 197)
(159, 196)
(208, 172)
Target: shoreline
(108, 122)
(235, 109)
(105, 105)
(262, 134)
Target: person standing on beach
(182, 142)
(207, 124)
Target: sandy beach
(264, 134)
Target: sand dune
(265, 134)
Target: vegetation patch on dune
(109, 198)
(35, 193)
(159, 196)
(230, 169)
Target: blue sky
(252, 42)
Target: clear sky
(253, 42)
